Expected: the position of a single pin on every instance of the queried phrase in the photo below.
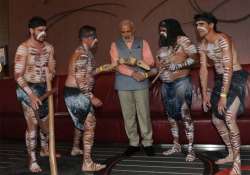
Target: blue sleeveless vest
(123, 82)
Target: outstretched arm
(105, 68)
(191, 51)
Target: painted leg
(189, 130)
(45, 141)
(224, 133)
(31, 138)
(76, 143)
(88, 140)
(234, 132)
(175, 133)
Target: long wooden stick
(52, 154)
(157, 76)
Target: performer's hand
(163, 65)
(153, 72)
(96, 102)
(50, 76)
(206, 103)
(35, 101)
(138, 76)
(222, 105)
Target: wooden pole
(52, 154)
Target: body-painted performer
(227, 99)
(133, 87)
(32, 59)
(79, 98)
(175, 57)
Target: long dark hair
(173, 31)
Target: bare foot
(235, 172)
(91, 167)
(76, 152)
(190, 156)
(175, 149)
(34, 167)
(227, 159)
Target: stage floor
(13, 161)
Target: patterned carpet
(13, 161)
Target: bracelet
(223, 95)
(146, 75)
(27, 90)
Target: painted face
(163, 32)
(202, 28)
(163, 36)
(39, 33)
(90, 42)
(93, 42)
(127, 33)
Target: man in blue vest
(133, 87)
